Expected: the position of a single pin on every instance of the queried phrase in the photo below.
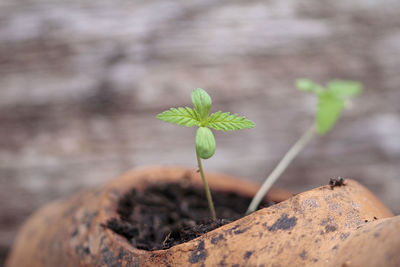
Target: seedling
(331, 101)
(205, 141)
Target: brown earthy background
(81, 83)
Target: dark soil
(168, 214)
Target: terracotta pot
(308, 229)
(377, 243)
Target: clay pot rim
(141, 177)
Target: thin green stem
(208, 193)
(280, 168)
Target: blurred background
(82, 81)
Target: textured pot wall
(80, 84)
(304, 230)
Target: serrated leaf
(329, 109)
(344, 89)
(227, 122)
(307, 85)
(181, 116)
(201, 103)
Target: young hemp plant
(332, 99)
(200, 117)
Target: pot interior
(160, 215)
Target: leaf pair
(331, 100)
(199, 116)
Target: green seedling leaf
(344, 89)
(331, 100)
(328, 111)
(205, 143)
(201, 103)
(227, 122)
(181, 116)
(307, 85)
